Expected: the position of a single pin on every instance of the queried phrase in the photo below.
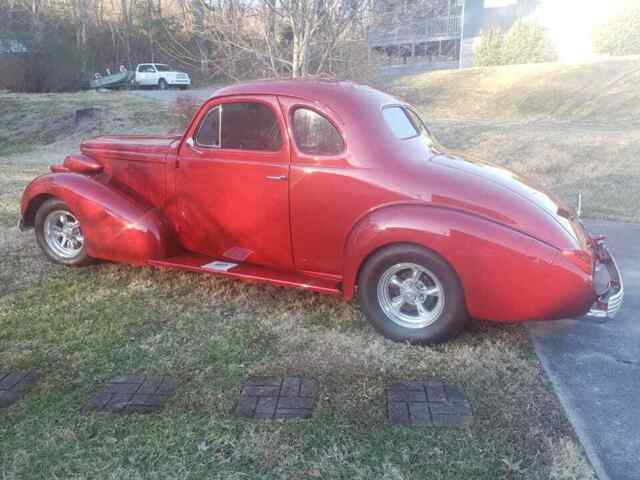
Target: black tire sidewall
(454, 315)
(162, 84)
(47, 207)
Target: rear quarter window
(314, 134)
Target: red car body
(311, 221)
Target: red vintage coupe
(332, 187)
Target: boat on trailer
(113, 81)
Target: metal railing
(415, 30)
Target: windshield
(163, 68)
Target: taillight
(581, 259)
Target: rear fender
(115, 226)
(506, 275)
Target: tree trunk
(126, 21)
(199, 33)
(150, 29)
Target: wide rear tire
(411, 294)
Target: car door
(141, 75)
(146, 74)
(233, 183)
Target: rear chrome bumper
(609, 302)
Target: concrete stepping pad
(133, 394)
(425, 404)
(277, 398)
(14, 384)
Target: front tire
(411, 294)
(59, 234)
(162, 84)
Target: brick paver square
(133, 393)
(276, 397)
(14, 384)
(432, 404)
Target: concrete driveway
(595, 366)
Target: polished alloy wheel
(63, 235)
(411, 295)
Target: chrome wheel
(63, 235)
(411, 295)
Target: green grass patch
(79, 327)
(29, 121)
(15, 148)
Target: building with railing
(408, 35)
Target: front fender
(116, 227)
(506, 275)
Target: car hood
(496, 192)
(141, 148)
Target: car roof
(335, 94)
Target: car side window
(240, 126)
(397, 120)
(250, 126)
(314, 134)
(208, 134)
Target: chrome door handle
(276, 177)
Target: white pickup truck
(159, 75)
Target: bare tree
(198, 8)
(126, 8)
(295, 38)
(234, 39)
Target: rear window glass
(399, 123)
(314, 134)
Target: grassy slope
(38, 130)
(78, 327)
(570, 128)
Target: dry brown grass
(594, 91)
(569, 128)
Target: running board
(246, 271)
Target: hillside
(572, 128)
(597, 91)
